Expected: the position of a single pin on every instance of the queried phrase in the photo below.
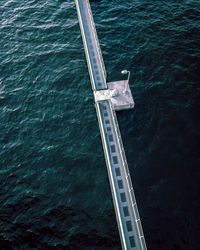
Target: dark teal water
(54, 190)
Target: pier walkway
(128, 219)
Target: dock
(109, 98)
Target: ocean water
(54, 189)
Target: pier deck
(128, 219)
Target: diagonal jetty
(110, 97)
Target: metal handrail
(129, 183)
(96, 39)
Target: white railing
(129, 182)
(128, 188)
(96, 39)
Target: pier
(110, 97)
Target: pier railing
(126, 210)
(92, 48)
(97, 40)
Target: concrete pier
(110, 97)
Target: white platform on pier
(120, 99)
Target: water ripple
(54, 186)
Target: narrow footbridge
(109, 97)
